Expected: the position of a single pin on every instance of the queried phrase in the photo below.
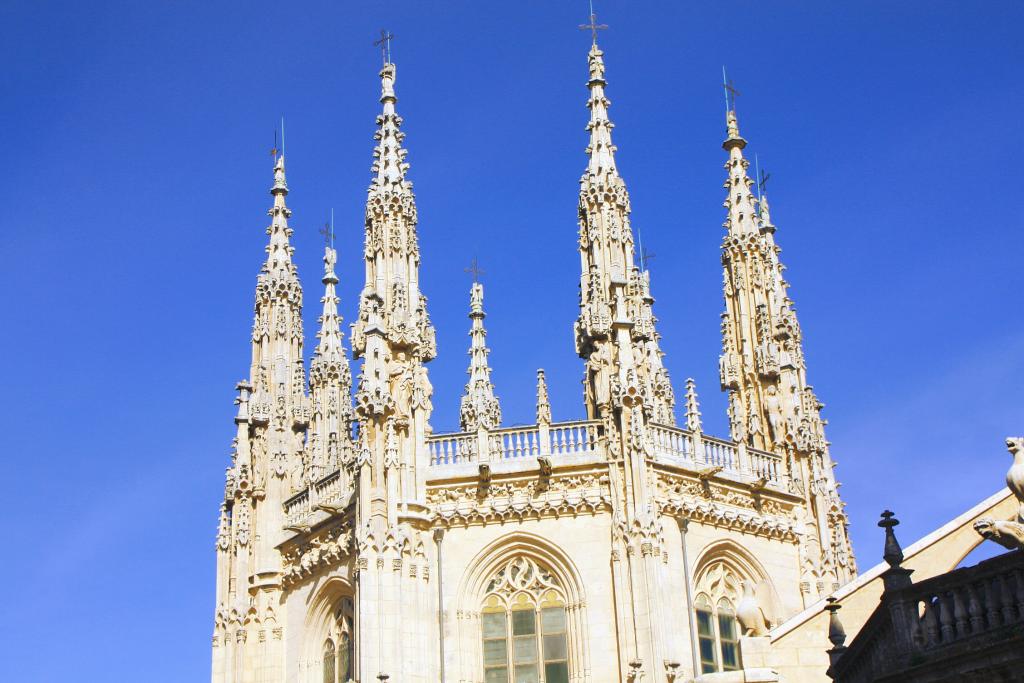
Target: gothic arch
(321, 614)
(745, 567)
(472, 589)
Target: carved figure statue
(749, 612)
(1015, 475)
(753, 418)
(773, 404)
(597, 370)
(1009, 534)
(736, 424)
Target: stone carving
(520, 499)
(1009, 534)
(749, 612)
(543, 404)
(325, 550)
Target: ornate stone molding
(520, 499)
(324, 550)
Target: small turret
(480, 407)
(330, 385)
(543, 403)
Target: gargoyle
(1007, 534)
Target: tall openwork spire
(330, 386)
(614, 291)
(480, 407)
(771, 405)
(394, 337)
(268, 454)
(626, 385)
(600, 149)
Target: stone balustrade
(297, 508)
(560, 438)
(967, 620)
(966, 604)
(703, 450)
(571, 438)
(325, 491)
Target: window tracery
(338, 652)
(523, 625)
(719, 592)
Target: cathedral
(356, 544)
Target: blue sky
(137, 138)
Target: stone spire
(626, 386)
(330, 386)
(268, 452)
(479, 407)
(279, 409)
(394, 337)
(771, 405)
(543, 403)
(616, 327)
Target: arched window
(718, 638)
(718, 632)
(523, 626)
(706, 635)
(338, 660)
(329, 658)
(728, 636)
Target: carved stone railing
(326, 491)
(703, 450)
(967, 603)
(448, 449)
(570, 438)
(560, 438)
(971, 618)
(767, 465)
(672, 441)
(722, 454)
(297, 508)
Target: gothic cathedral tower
(355, 544)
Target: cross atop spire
(593, 26)
(385, 45)
(475, 270)
(327, 232)
(731, 93)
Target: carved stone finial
(836, 633)
(893, 554)
(692, 407)
(543, 404)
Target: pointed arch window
(338, 649)
(330, 655)
(523, 626)
(718, 632)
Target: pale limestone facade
(356, 544)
